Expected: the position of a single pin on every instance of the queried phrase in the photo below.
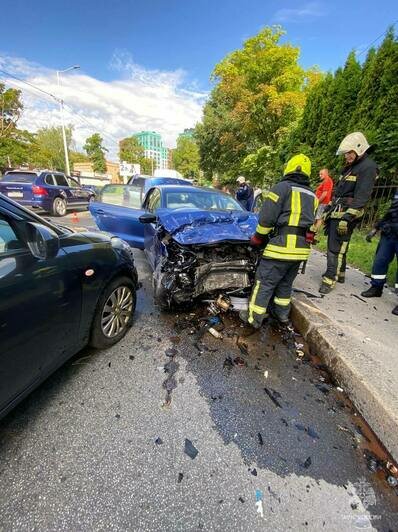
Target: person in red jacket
(324, 194)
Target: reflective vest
(287, 213)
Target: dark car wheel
(114, 313)
(58, 207)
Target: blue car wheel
(58, 207)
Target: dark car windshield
(201, 199)
(19, 177)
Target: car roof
(188, 188)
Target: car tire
(58, 207)
(119, 294)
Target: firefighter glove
(342, 228)
(256, 240)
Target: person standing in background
(244, 193)
(324, 194)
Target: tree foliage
(258, 97)
(354, 98)
(96, 152)
(186, 157)
(49, 148)
(10, 110)
(131, 151)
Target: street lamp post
(61, 108)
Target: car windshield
(201, 199)
(123, 195)
(19, 177)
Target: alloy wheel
(117, 311)
(60, 206)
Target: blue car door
(117, 211)
(151, 242)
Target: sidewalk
(358, 340)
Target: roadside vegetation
(361, 254)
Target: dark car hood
(188, 226)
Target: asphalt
(82, 452)
(357, 337)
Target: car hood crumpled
(208, 227)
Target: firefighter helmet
(354, 142)
(298, 163)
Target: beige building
(86, 169)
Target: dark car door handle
(100, 211)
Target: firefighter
(386, 250)
(284, 230)
(351, 194)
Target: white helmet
(354, 142)
(241, 180)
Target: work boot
(341, 279)
(373, 291)
(244, 316)
(325, 288)
(395, 310)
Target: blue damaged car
(196, 239)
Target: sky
(146, 64)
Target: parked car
(59, 291)
(142, 183)
(195, 239)
(53, 192)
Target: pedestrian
(285, 232)
(350, 197)
(386, 250)
(324, 193)
(243, 193)
(250, 199)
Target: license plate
(15, 194)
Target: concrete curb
(324, 338)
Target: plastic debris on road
(158, 441)
(259, 503)
(190, 449)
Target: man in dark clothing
(386, 250)
(351, 194)
(284, 230)
(244, 194)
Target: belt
(291, 230)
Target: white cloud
(306, 11)
(138, 99)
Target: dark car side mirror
(148, 218)
(43, 242)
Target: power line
(58, 100)
(375, 40)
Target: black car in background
(59, 290)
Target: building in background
(188, 133)
(154, 148)
(85, 169)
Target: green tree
(258, 97)
(49, 152)
(130, 150)
(10, 110)
(96, 152)
(17, 149)
(186, 157)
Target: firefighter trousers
(337, 252)
(386, 250)
(272, 286)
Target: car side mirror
(43, 242)
(148, 218)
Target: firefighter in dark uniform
(284, 230)
(386, 251)
(351, 194)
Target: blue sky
(166, 48)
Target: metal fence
(380, 201)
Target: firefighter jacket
(287, 213)
(354, 189)
(389, 223)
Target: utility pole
(61, 108)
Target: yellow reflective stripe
(263, 230)
(272, 196)
(351, 178)
(252, 304)
(283, 302)
(283, 249)
(337, 214)
(316, 205)
(340, 256)
(328, 281)
(355, 212)
(295, 208)
(285, 256)
(291, 242)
